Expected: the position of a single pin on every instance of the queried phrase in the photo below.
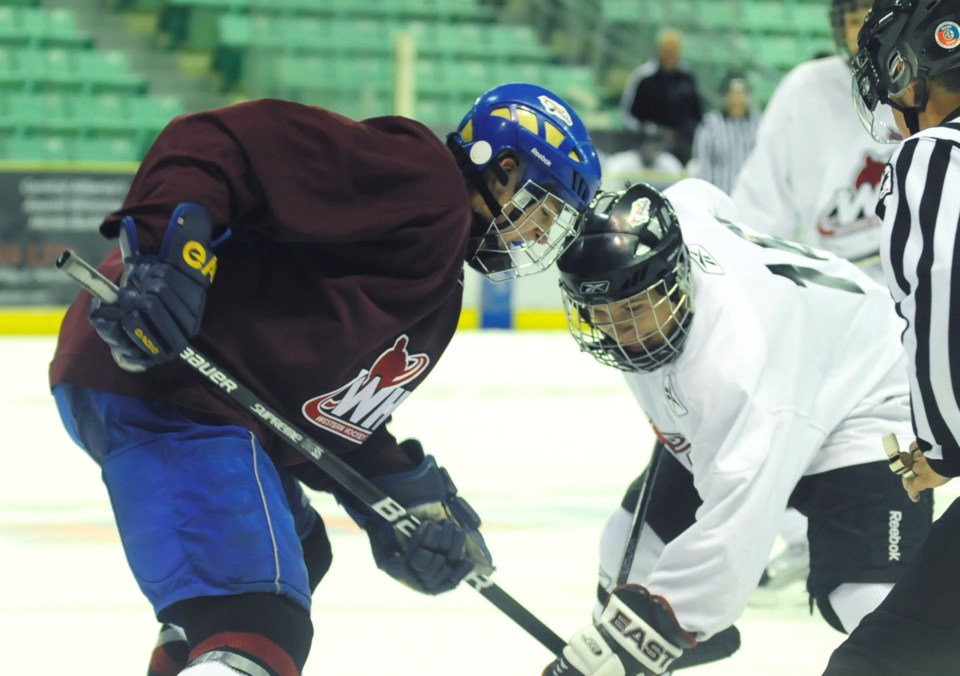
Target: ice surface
(541, 440)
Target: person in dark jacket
(664, 91)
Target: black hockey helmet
(903, 42)
(838, 21)
(625, 281)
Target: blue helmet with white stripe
(560, 174)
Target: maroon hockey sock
(169, 656)
(254, 647)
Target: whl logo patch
(356, 409)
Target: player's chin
(647, 346)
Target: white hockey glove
(637, 635)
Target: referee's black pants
(916, 630)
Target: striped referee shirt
(919, 202)
(721, 145)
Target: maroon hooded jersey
(336, 293)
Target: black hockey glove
(162, 296)
(445, 547)
(637, 635)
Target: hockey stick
(639, 515)
(720, 645)
(393, 512)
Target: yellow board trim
(45, 321)
(539, 320)
(42, 321)
(70, 166)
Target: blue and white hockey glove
(637, 634)
(161, 297)
(445, 547)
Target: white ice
(542, 441)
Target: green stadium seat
(9, 77)
(430, 111)
(767, 17)
(717, 15)
(468, 78)
(620, 11)
(44, 112)
(61, 29)
(36, 148)
(681, 12)
(100, 70)
(572, 82)
(234, 30)
(778, 51)
(46, 68)
(104, 149)
(104, 112)
(810, 19)
(652, 13)
(430, 77)
(9, 30)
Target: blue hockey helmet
(560, 176)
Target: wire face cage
(528, 236)
(641, 332)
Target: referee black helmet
(904, 42)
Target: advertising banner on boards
(44, 213)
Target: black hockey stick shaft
(640, 515)
(720, 645)
(393, 512)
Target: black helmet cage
(904, 42)
(625, 281)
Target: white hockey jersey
(814, 173)
(793, 366)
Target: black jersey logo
(670, 392)
(356, 409)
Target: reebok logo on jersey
(893, 535)
(356, 409)
(704, 260)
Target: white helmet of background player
(625, 281)
(556, 175)
(846, 18)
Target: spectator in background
(725, 137)
(664, 91)
(650, 157)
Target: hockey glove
(637, 634)
(445, 547)
(161, 297)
